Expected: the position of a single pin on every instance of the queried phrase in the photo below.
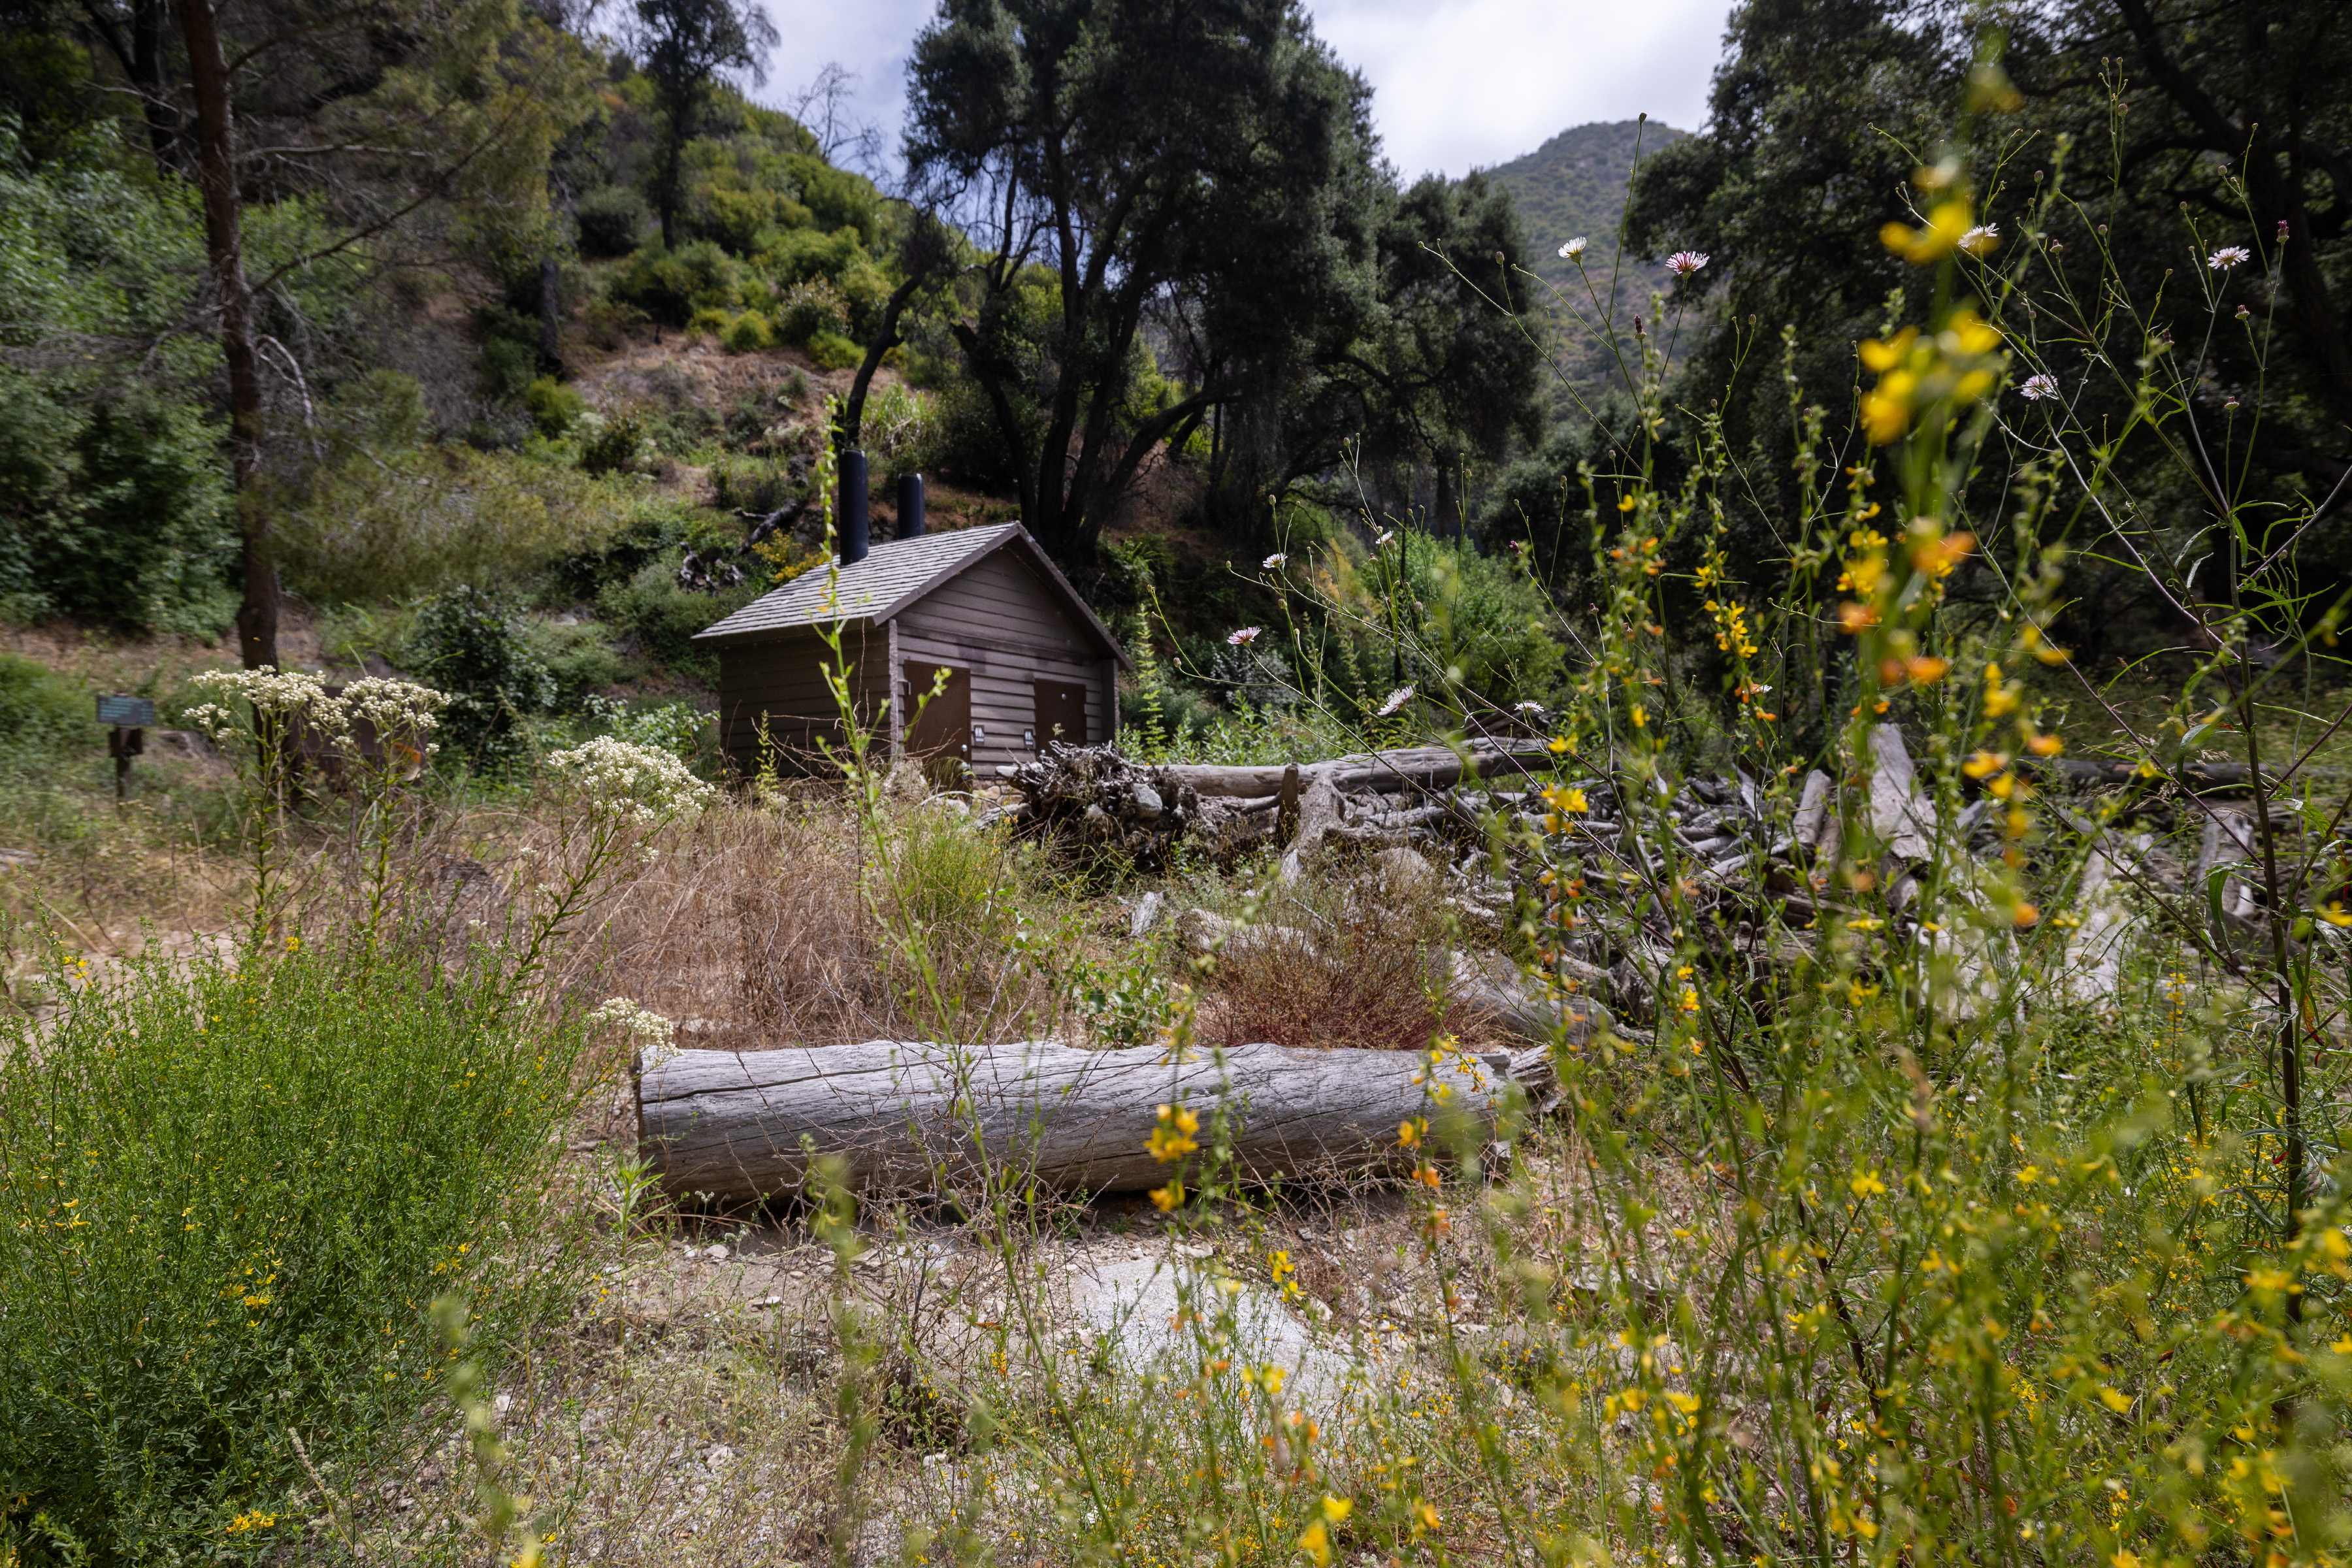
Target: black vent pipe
(910, 506)
(853, 508)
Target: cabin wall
(782, 678)
(995, 618)
(999, 621)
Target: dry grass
(1359, 964)
(770, 924)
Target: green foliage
(509, 352)
(615, 445)
(39, 712)
(580, 662)
(555, 408)
(831, 351)
(1329, 311)
(230, 1187)
(392, 523)
(612, 221)
(663, 617)
(470, 644)
(900, 428)
(671, 286)
(680, 729)
(1574, 185)
(748, 333)
(649, 536)
(117, 511)
(114, 495)
(809, 307)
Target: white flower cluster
(394, 707)
(269, 692)
(290, 697)
(641, 782)
(659, 1034)
(1397, 699)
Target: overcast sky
(1456, 84)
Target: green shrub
(580, 660)
(230, 1188)
(615, 447)
(748, 333)
(555, 408)
(391, 525)
(663, 617)
(468, 644)
(900, 429)
(751, 484)
(115, 513)
(670, 285)
(611, 221)
(831, 351)
(39, 712)
(649, 534)
(809, 308)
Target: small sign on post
(131, 717)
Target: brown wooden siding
(994, 620)
(783, 681)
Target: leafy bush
(555, 408)
(468, 644)
(670, 285)
(751, 484)
(580, 660)
(615, 445)
(900, 429)
(649, 534)
(663, 617)
(748, 333)
(509, 351)
(831, 351)
(230, 1187)
(612, 220)
(115, 512)
(393, 524)
(39, 712)
(808, 308)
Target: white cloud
(1456, 84)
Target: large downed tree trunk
(1410, 767)
(902, 1115)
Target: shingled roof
(893, 577)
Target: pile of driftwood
(1092, 795)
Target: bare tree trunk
(256, 614)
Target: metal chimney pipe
(852, 512)
(910, 506)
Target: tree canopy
(1181, 219)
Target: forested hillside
(1576, 184)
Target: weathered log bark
(1411, 767)
(1319, 811)
(918, 1116)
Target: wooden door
(1061, 713)
(939, 727)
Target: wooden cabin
(1026, 661)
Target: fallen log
(909, 1116)
(1382, 773)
